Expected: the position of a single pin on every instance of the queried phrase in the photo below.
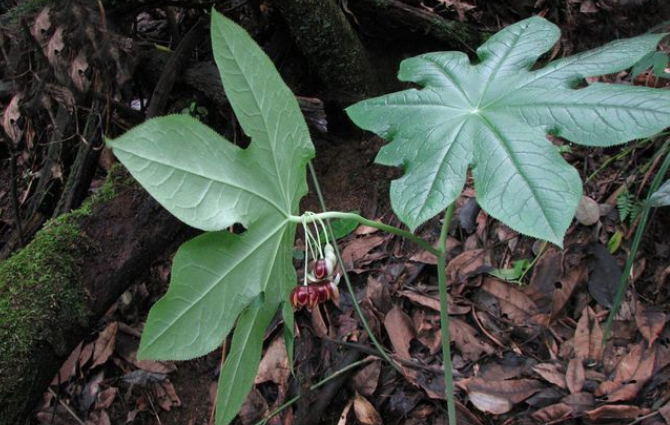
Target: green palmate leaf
(494, 117)
(661, 198)
(211, 184)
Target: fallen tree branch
(56, 288)
(401, 19)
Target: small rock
(588, 211)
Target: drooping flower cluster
(319, 284)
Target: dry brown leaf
(664, 411)
(433, 303)
(588, 338)
(466, 341)
(41, 26)
(103, 418)
(426, 257)
(650, 321)
(424, 300)
(565, 287)
(365, 411)
(162, 367)
(274, 364)
(553, 413)
(571, 406)
(106, 398)
(91, 390)
(78, 72)
(86, 354)
(401, 331)
(464, 264)
(498, 397)
(166, 395)
(254, 408)
(378, 294)
(345, 413)
(55, 49)
(506, 368)
(574, 376)
(513, 303)
(432, 384)
(489, 403)
(69, 367)
(10, 119)
(427, 325)
(357, 252)
(632, 372)
(547, 271)
(318, 323)
(616, 411)
(588, 6)
(552, 372)
(104, 345)
(365, 381)
(366, 230)
(580, 403)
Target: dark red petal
(324, 292)
(320, 269)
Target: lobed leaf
(661, 198)
(494, 116)
(211, 184)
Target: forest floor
(525, 351)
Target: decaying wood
(173, 68)
(205, 77)
(120, 238)
(81, 172)
(393, 18)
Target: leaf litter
(521, 352)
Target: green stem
(543, 247)
(644, 216)
(324, 216)
(366, 222)
(444, 316)
(312, 388)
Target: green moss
(39, 289)
(117, 180)
(39, 292)
(27, 7)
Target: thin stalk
(644, 216)
(543, 247)
(350, 287)
(444, 317)
(312, 388)
(366, 222)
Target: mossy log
(397, 19)
(53, 291)
(331, 46)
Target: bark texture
(396, 19)
(331, 46)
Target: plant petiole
(312, 217)
(314, 387)
(444, 316)
(347, 280)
